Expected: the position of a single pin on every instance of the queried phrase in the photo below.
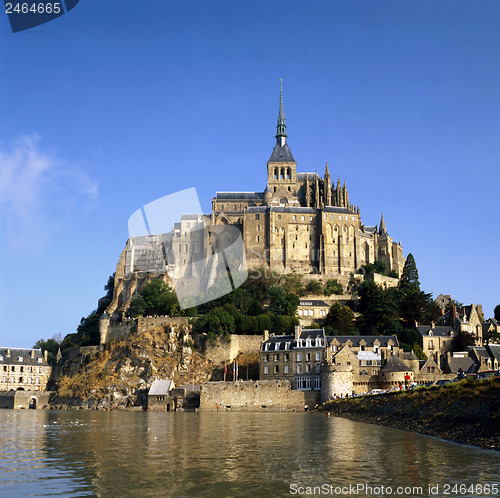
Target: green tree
(377, 307)
(333, 286)
(314, 287)
(216, 323)
(419, 352)
(282, 302)
(340, 319)
(155, 298)
(464, 339)
(375, 267)
(409, 277)
(51, 346)
(497, 312)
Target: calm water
(49, 453)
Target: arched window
(275, 173)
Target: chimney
(32, 353)
(416, 323)
(433, 325)
(442, 311)
(454, 312)
(298, 331)
(266, 335)
(45, 355)
(8, 352)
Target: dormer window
(287, 345)
(266, 346)
(20, 358)
(430, 333)
(1, 357)
(40, 360)
(308, 343)
(276, 346)
(451, 334)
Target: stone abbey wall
(228, 351)
(110, 331)
(263, 395)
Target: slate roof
(312, 333)
(281, 154)
(24, 353)
(410, 356)
(437, 331)
(495, 351)
(369, 339)
(466, 364)
(395, 365)
(239, 195)
(160, 387)
(480, 351)
(312, 302)
(340, 210)
(278, 342)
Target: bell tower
(281, 167)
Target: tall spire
(382, 229)
(281, 127)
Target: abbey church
(301, 223)
(304, 223)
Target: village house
(312, 310)
(23, 369)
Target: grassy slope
(466, 412)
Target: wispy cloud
(37, 190)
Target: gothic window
(282, 173)
(289, 189)
(275, 173)
(235, 207)
(288, 173)
(344, 229)
(275, 189)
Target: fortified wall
(227, 351)
(111, 330)
(255, 396)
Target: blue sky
(110, 107)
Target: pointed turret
(328, 187)
(307, 191)
(382, 228)
(281, 127)
(281, 151)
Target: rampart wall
(228, 351)
(112, 331)
(255, 396)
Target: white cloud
(36, 191)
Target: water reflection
(219, 454)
